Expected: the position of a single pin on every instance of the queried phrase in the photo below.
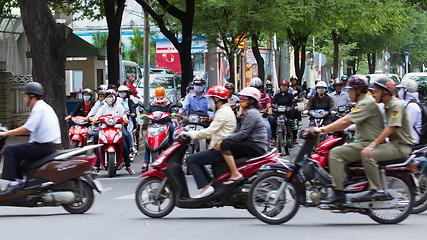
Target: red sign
(169, 60)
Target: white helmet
(321, 84)
(123, 89)
(256, 82)
(409, 84)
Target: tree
(171, 17)
(100, 40)
(136, 48)
(48, 43)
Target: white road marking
(126, 197)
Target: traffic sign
(322, 59)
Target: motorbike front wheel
(74, 144)
(111, 157)
(420, 204)
(84, 199)
(402, 209)
(146, 201)
(262, 194)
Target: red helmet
(284, 82)
(217, 91)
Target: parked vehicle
(281, 187)
(171, 83)
(63, 178)
(165, 186)
(111, 138)
(77, 134)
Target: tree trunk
(371, 62)
(258, 57)
(230, 58)
(114, 20)
(336, 54)
(299, 47)
(48, 43)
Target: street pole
(273, 60)
(146, 57)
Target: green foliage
(135, 50)
(100, 40)
(6, 7)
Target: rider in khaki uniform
(369, 121)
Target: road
(115, 215)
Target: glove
(183, 135)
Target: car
(162, 71)
(374, 77)
(421, 79)
(171, 83)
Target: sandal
(233, 181)
(144, 167)
(130, 171)
(96, 169)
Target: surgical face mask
(321, 91)
(199, 89)
(86, 98)
(109, 101)
(244, 103)
(122, 94)
(269, 88)
(211, 105)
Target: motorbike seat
(381, 163)
(28, 165)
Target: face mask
(199, 89)
(244, 103)
(268, 88)
(211, 105)
(86, 98)
(321, 91)
(122, 94)
(109, 101)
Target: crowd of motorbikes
(272, 190)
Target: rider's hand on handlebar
(210, 119)
(318, 130)
(270, 111)
(94, 120)
(3, 135)
(67, 118)
(183, 135)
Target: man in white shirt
(43, 127)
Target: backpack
(423, 133)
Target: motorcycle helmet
(256, 82)
(358, 82)
(284, 82)
(251, 92)
(218, 91)
(387, 84)
(160, 92)
(321, 84)
(409, 84)
(34, 88)
(87, 90)
(199, 80)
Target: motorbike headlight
(111, 121)
(193, 119)
(117, 137)
(156, 130)
(103, 137)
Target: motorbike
(281, 187)
(77, 134)
(284, 128)
(63, 178)
(111, 138)
(165, 186)
(317, 117)
(158, 131)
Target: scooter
(111, 138)
(276, 194)
(77, 133)
(165, 186)
(63, 178)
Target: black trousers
(240, 149)
(15, 153)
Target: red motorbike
(165, 186)
(111, 136)
(77, 133)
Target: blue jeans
(196, 163)
(147, 151)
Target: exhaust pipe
(59, 197)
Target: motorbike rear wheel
(146, 202)
(403, 208)
(111, 167)
(262, 193)
(420, 203)
(84, 199)
(74, 144)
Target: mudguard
(153, 173)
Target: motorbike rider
(223, 124)
(45, 135)
(130, 108)
(344, 80)
(117, 109)
(264, 103)
(340, 97)
(284, 98)
(408, 93)
(249, 139)
(269, 88)
(321, 101)
(132, 86)
(197, 101)
(369, 123)
(233, 99)
(159, 103)
(84, 107)
(97, 105)
(299, 94)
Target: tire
(144, 198)
(420, 203)
(190, 151)
(111, 167)
(403, 208)
(74, 144)
(285, 145)
(84, 199)
(280, 143)
(260, 194)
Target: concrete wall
(89, 67)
